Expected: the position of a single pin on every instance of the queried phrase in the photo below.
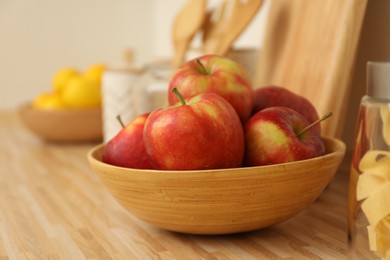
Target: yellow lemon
(48, 101)
(81, 93)
(95, 72)
(62, 77)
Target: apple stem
(118, 117)
(314, 123)
(201, 66)
(179, 96)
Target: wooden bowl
(220, 201)
(63, 125)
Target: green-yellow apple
(272, 96)
(201, 132)
(127, 148)
(213, 73)
(279, 135)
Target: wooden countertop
(53, 206)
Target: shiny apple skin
(206, 133)
(127, 147)
(271, 138)
(220, 75)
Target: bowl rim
(339, 145)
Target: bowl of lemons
(71, 110)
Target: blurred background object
(40, 37)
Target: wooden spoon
(241, 15)
(187, 22)
(214, 25)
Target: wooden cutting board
(310, 48)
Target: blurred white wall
(39, 37)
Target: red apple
(213, 73)
(279, 135)
(127, 148)
(202, 132)
(275, 96)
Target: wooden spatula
(242, 14)
(215, 24)
(187, 22)
(230, 28)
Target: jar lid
(378, 79)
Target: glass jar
(132, 92)
(369, 188)
(118, 99)
(152, 86)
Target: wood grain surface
(53, 206)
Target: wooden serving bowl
(220, 201)
(63, 125)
